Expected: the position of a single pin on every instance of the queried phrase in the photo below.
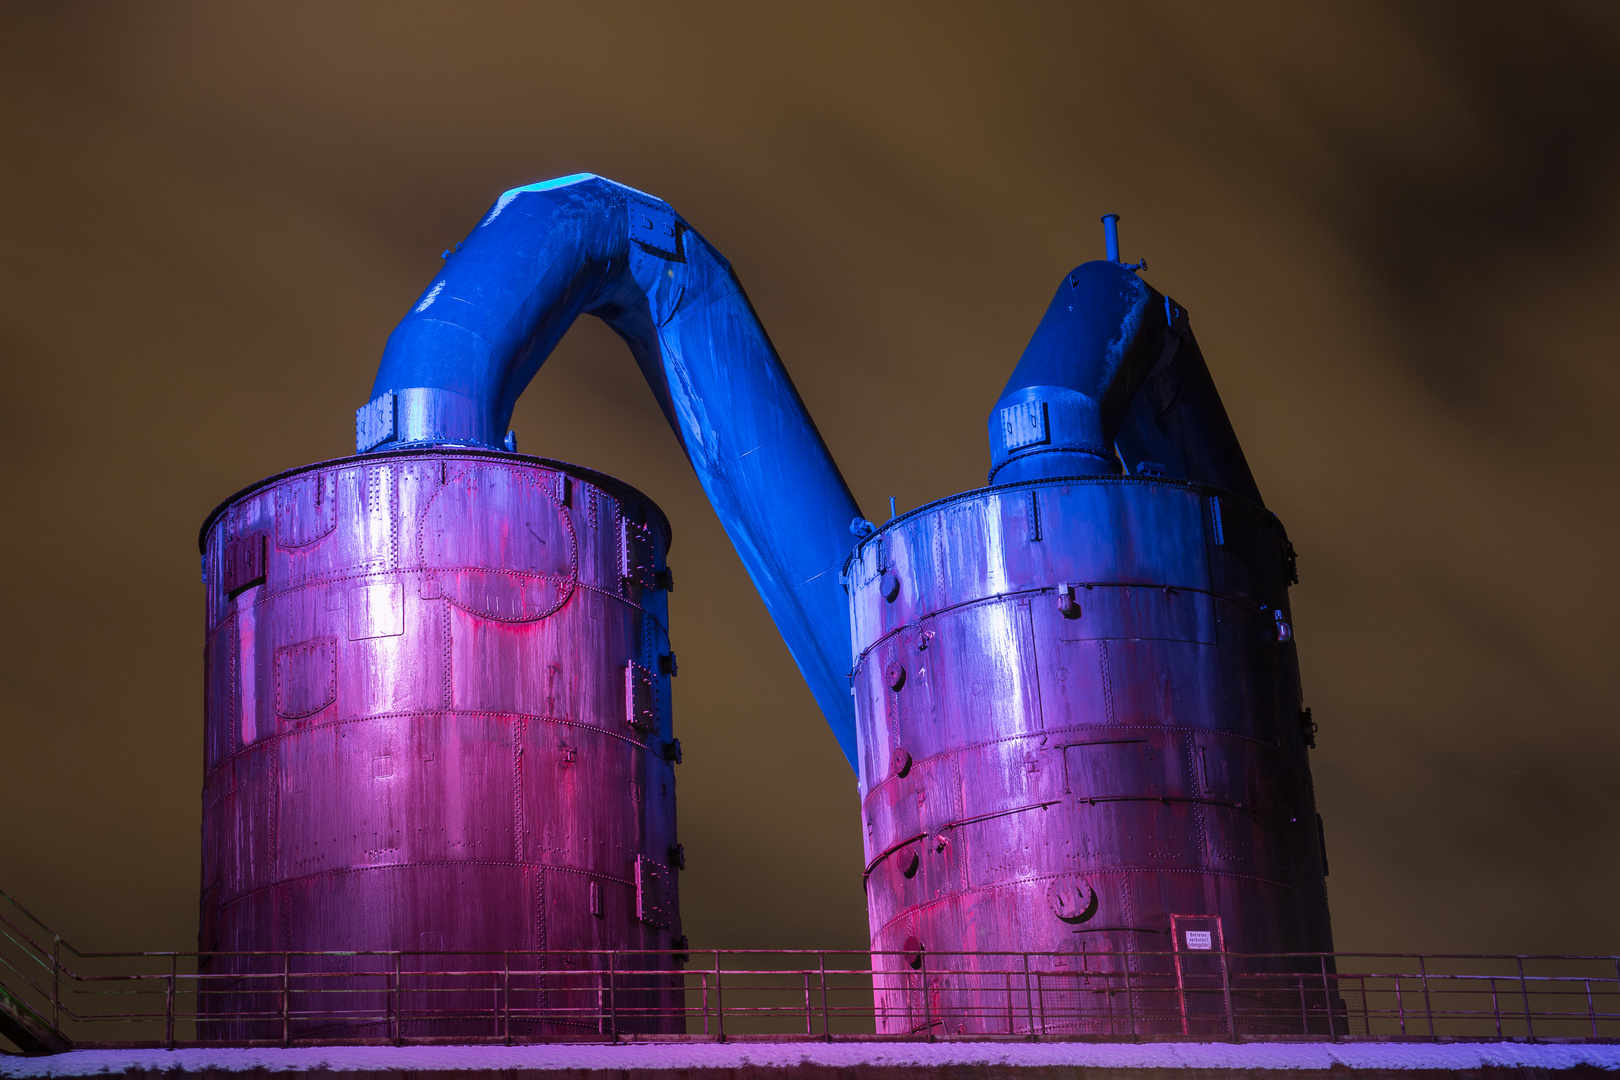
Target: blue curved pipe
(543, 254)
(1061, 406)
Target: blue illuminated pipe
(1111, 237)
(543, 254)
(1113, 379)
(1060, 409)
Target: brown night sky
(1397, 230)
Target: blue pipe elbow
(1113, 379)
(454, 367)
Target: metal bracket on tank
(655, 893)
(376, 422)
(655, 228)
(640, 698)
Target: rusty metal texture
(1079, 721)
(437, 718)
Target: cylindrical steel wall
(1079, 716)
(437, 719)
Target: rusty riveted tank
(1071, 697)
(437, 720)
(438, 671)
(1078, 698)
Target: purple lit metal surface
(1077, 722)
(438, 718)
(438, 677)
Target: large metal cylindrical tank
(437, 720)
(1080, 732)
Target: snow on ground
(838, 1055)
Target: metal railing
(297, 997)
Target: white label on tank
(1023, 424)
(1200, 939)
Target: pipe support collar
(423, 416)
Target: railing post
(1428, 1008)
(506, 995)
(1226, 992)
(1029, 999)
(1496, 1008)
(1327, 1000)
(1400, 1006)
(168, 1005)
(826, 1026)
(719, 1002)
(809, 1018)
(1591, 1010)
(399, 999)
(56, 983)
(1181, 991)
(286, 1006)
(1108, 998)
(1130, 1003)
(1524, 993)
(613, 1003)
(922, 981)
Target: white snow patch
(694, 1055)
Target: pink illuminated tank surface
(437, 720)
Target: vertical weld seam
(233, 691)
(392, 496)
(938, 524)
(273, 765)
(1107, 681)
(891, 697)
(621, 551)
(519, 823)
(444, 646)
(1129, 907)
(540, 931)
(1190, 745)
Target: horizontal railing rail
(173, 998)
